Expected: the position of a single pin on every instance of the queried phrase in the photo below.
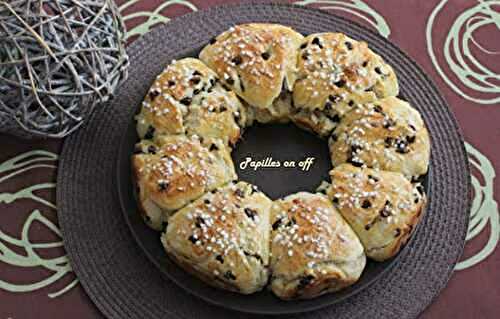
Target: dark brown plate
(280, 142)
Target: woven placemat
(123, 283)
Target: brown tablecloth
(456, 42)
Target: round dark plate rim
(304, 305)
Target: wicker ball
(58, 60)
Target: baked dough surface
(176, 171)
(382, 207)
(223, 238)
(314, 251)
(387, 134)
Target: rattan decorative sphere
(58, 60)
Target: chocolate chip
(237, 60)
(304, 281)
(171, 83)
(366, 204)
(377, 108)
(151, 149)
(355, 148)
(229, 275)
(378, 70)
(199, 221)
(213, 147)
(196, 91)
(373, 178)
(265, 55)
(412, 127)
(206, 201)
(230, 81)
(237, 118)
(277, 224)
(149, 133)
(213, 40)
(335, 200)
(402, 147)
(389, 122)
(351, 103)
(334, 98)
(162, 186)
(223, 108)
(256, 256)
(355, 162)
(340, 83)
(303, 45)
(416, 200)
(220, 259)
(348, 45)
(365, 64)
(239, 193)
(368, 226)
(420, 189)
(317, 42)
(335, 118)
(291, 222)
(186, 101)
(251, 213)
(386, 210)
(328, 105)
(196, 72)
(397, 232)
(195, 80)
(305, 55)
(334, 137)
(388, 141)
(410, 139)
(153, 94)
(192, 239)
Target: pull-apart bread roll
(335, 73)
(382, 207)
(258, 62)
(313, 250)
(223, 238)
(187, 98)
(176, 171)
(387, 134)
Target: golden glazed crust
(255, 60)
(382, 207)
(176, 171)
(188, 98)
(314, 251)
(387, 134)
(223, 238)
(335, 73)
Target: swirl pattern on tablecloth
(31, 258)
(356, 8)
(471, 78)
